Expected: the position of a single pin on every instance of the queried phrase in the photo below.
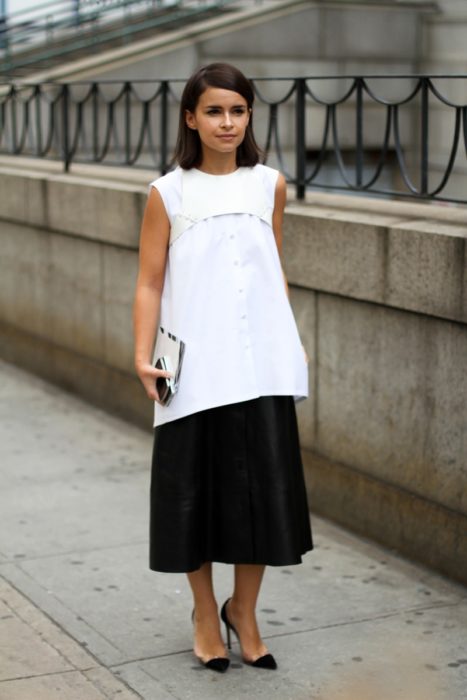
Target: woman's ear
(190, 120)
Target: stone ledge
(405, 255)
(415, 527)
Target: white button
(240, 290)
(247, 347)
(244, 316)
(232, 235)
(235, 262)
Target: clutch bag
(168, 355)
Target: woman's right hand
(148, 376)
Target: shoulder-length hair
(188, 152)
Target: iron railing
(348, 133)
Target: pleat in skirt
(227, 485)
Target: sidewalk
(82, 617)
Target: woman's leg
(208, 639)
(241, 609)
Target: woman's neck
(218, 163)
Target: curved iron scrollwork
(134, 124)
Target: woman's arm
(154, 240)
(280, 198)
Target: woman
(227, 479)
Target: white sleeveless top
(224, 293)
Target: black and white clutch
(168, 355)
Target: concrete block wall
(378, 290)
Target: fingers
(148, 376)
(154, 373)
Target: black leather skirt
(227, 485)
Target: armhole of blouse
(166, 186)
(270, 177)
(163, 197)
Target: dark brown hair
(188, 150)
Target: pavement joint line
(71, 552)
(82, 671)
(56, 623)
(51, 619)
(50, 673)
(395, 613)
(88, 624)
(43, 637)
(150, 658)
(169, 690)
(117, 678)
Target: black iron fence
(396, 136)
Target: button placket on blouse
(243, 311)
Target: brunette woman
(227, 478)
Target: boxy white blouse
(224, 293)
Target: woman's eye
(237, 111)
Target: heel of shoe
(227, 632)
(226, 623)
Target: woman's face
(221, 118)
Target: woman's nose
(227, 120)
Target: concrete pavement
(82, 617)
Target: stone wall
(379, 293)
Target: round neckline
(202, 172)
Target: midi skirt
(227, 485)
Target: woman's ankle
(240, 610)
(205, 609)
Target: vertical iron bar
(37, 101)
(14, 135)
(424, 138)
(164, 126)
(65, 133)
(359, 134)
(95, 123)
(127, 122)
(300, 155)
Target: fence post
(359, 133)
(163, 135)
(424, 138)
(127, 122)
(300, 152)
(14, 121)
(95, 122)
(65, 133)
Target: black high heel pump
(265, 661)
(217, 663)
